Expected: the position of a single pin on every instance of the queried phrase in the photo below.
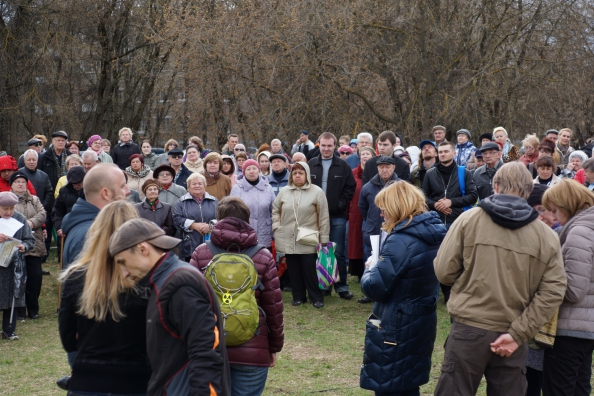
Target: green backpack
(235, 279)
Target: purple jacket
(259, 199)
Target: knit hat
(15, 176)
(75, 175)
(345, 149)
(92, 139)
(578, 153)
(464, 131)
(249, 163)
(8, 198)
(487, 135)
(150, 182)
(535, 197)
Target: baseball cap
(424, 142)
(135, 231)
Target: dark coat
(402, 169)
(47, 163)
(484, 183)
(43, 187)
(356, 220)
(371, 213)
(121, 154)
(434, 189)
(161, 216)
(404, 287)
(341, 184)
(115, 358)
(187, 208)
(182, 176)
(75, 225)
(184, 332)
(255, 352)
(64, 203)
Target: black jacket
(47, 163)
(434, 189)
(184, 173)
(341, 184)
(114, 359)
(184, 331)
(43, 187)
(161, 216)
(402, 169)
(64, 203)
(121, 154)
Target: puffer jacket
(463, 153)
(255, 352)
(259, 199)
(64, 203)
(576, 314)
(30, 206)
(137, 179)
(187, 211)
(309, 202)
(397, 354)
(161, 216)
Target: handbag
(64, 382)
(545, 338)
(305, 236)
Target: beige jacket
(137, 179)
(311, 207)
(502, 279)
(576, 315)
(30, 206)
(196, 167)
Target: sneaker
(9, 336)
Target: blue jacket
(75, 225)
(276, 186)
(464, 152)
(353, 160)
(404, 287)
(372, 221)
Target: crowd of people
(505, 231)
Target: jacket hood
(233, 230)
(508, 211)
(307, 173)
(233, 167)
(82, 211)
(426, 226)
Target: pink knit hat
(92, 139)
(248, 163)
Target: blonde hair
(499, 128)
(566, 130)
(514, 178)
(400, 201)
(104, 281)
(42, 138)
(193, 177)
(531, 139)
(569, 196)
(125, 129)
(74, 157)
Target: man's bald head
(299, 157)
(104, 183)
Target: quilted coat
(30, 206)
(404, 287)
(576, 314)
(255, 352)
(259, 199)
(187, 208)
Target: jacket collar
(483, 169)
(188, 196)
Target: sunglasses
(344, 153)
(239, 149)
(172, 144)
(37, 144)
(176, 155)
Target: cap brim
(164, 242)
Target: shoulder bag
(305, 236)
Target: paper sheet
(6, 250)
(375, 248)
(10, 226)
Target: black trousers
(568, 367)
(7, 325)
(302, 269)
(534, 379)
(33, 288)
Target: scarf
(153, 204)
(166, 187)
(142, 174)
(506, 147)
(194, 164)
(60, 161)
(446, 172)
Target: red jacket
(356, 220)
(255, 352)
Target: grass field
(322, 354)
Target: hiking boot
(9, 336)
(365, 300)
(347, 295)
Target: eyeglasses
(164, 174)
(176, 155)
(239, 149)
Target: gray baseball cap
(135, 231)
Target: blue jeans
(337, 235)
(247, 380)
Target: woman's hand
(21, 248)
(30, 223)
(59, 232)
(202, 228)
(3, 238)
(273, 357)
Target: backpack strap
(462, 179)
(213, 248)
(251, 251)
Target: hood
(307, 173)
(233, 230)
(585, 218)
(82, 211)
(426, 226)
(508, 211)
(233, 167)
